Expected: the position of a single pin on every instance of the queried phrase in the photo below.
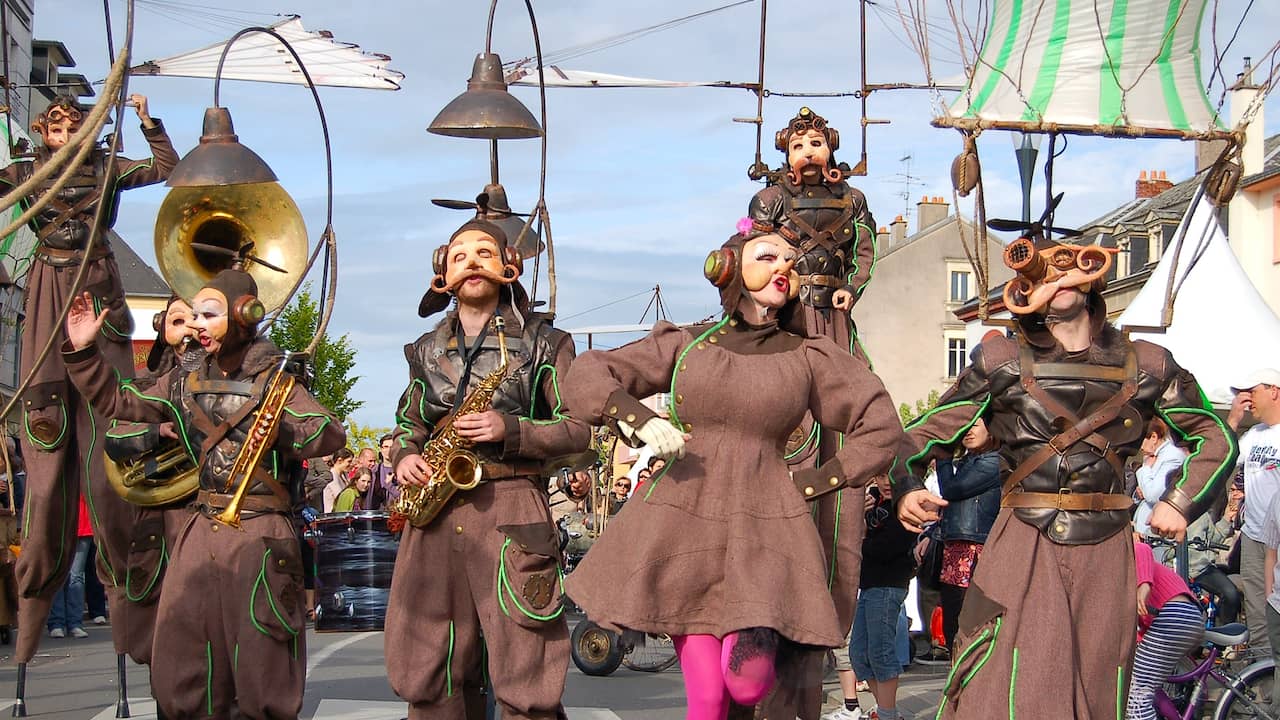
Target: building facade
(906, 318)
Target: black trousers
(1229, 598)
(952, 599)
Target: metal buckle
(1053, 444)
(1062, 492)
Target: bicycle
(1245, 694)
(598, 651)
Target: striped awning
(1100, 67)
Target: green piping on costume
(235, 658)
(314, 435)
(208, 678)
(119, 436)
(26, 420)
(139, 165)
(505, 585)
(1119, 691)
(1013, 679)
(988, 635)
(813, 434)
(928, 446)
(875, 257)
(448, 667)
(181, 427)
(88, 496)
(402, 417)
(253, 600)
(128, 571)
(556, 415)
(1228, 462)
(835, 541)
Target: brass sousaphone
(225, 207)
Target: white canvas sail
(1099, 67)
(1222, 328)
(261, 58)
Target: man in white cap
(1259, 462)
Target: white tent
(1222, 329)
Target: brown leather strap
(509, 471)
(1066, 500)
(252, 503)
(66, 212)
(58, 257)
(822, 280)
(828, 230)
(1082, 429)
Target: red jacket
(84, 527)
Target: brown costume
(156, 528)
(722, 540)
(832, 227)
(63, 436)
(490, 560)
(1048, 626)
(228, 592)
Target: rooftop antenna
(659, 307)
(907, 181)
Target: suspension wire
(605, 305)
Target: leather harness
(216, 432)
(1082, 430)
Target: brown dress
(723, 539)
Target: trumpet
(261, 433)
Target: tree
(333, 359)
(363, 436)
(905, 413)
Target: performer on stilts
(489, 560)
(230, 627)
(1048, 624)
(63, 434)
(720, 551)
(829, 225)
(157, 524)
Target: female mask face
(767, 274)
(177, 324)
(209, 321)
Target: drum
(355, 555)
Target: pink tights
(708, 682)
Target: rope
(120, 77)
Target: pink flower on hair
(744, 225)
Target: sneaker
(935, 656)
(79, 632)
(844, 713)
(57, 633)
(100, 620)
(863, 686)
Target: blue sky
(641, 183)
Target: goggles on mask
(1042, 272)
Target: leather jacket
(306, 429)
(528, 398)
(65, 222)
(841, 254)
(1023, 426)
(972, 487)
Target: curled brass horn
(255, 218)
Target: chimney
(1150, 186)
(897, 232)
(882, 239)
(929, 211)
(1242, 96)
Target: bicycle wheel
(594, 650)
(654, 653)
(1255, 684)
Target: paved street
(76, 680)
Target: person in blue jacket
(971, 484)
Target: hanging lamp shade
(220, 159)
(486, 110)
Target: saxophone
(454, 467)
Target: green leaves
(333, 361)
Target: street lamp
(487, 111)
(1026, 146)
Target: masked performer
(157, 524)
(63, 438)
(720, 551)
(231, 593)
(1068, 400)
(831, 228)
(490, 561)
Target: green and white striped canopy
(1106, 67)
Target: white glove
(663, 439)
